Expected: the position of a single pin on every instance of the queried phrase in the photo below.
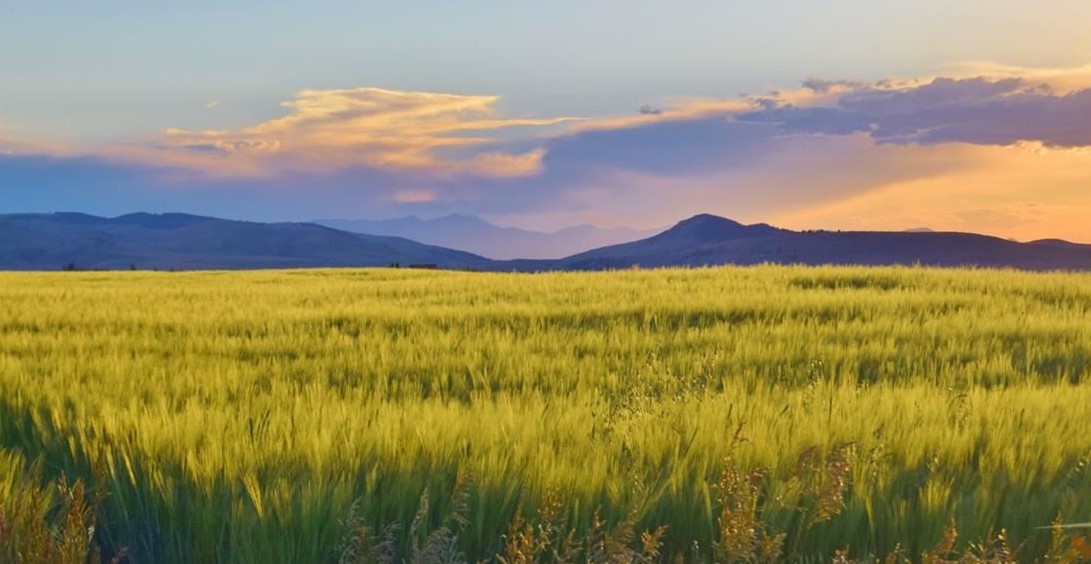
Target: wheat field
(721, 414)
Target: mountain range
(182, 241)
(473, 234)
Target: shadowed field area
(723, 414)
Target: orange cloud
(357, 127)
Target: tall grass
(302, 416)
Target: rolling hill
(710, 240)
(182, 241)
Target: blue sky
(98, 88)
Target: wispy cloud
(1061, 80)
(363, 127)
(17, 142)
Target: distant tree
(69, 267)
(132, 266)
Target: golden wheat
(299, 416)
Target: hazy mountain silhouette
(708, 240)
(181, 241)
(1057, 243)
(473, 234)
(49, 241)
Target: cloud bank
(979, 111)
(373, 127)
(980, 147)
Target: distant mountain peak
(707, 221)
(462, 220)
(477, 235)
(463, 216)
(708, 218)
(706, 227)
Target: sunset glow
(962, 143)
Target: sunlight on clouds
(984, 147)
(680, 109)
(787, 175)
(507, 165)
(1005, 191)
(360, 127)
(1062, 80)
(16, 142)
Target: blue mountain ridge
(183, 241)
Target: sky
(972, 115)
